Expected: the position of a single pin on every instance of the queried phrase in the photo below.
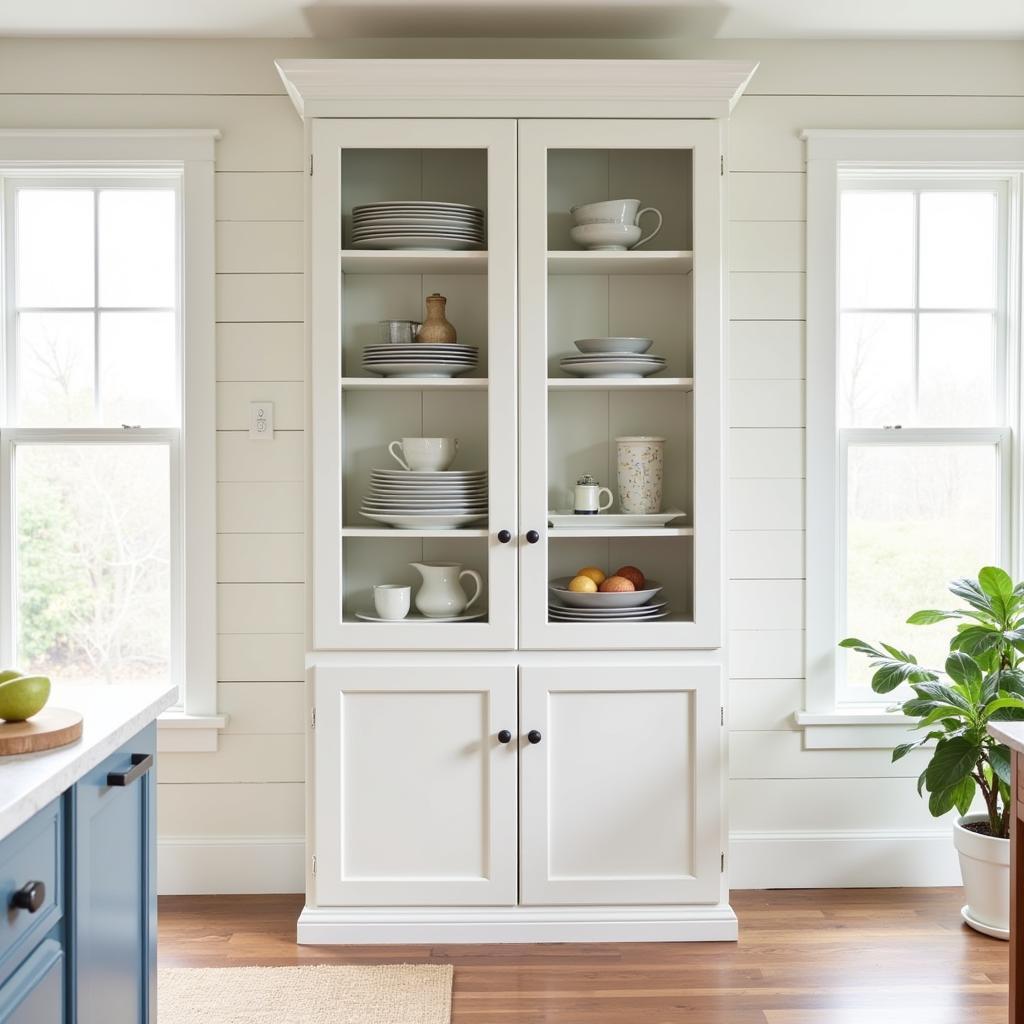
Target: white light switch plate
(261, 421)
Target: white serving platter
(612, 368)
(469, 617)
(629, 599)
(418, 369)
(607, 521)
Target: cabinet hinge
(311, 165)
(722, 710)
(312, 719)
(721, 165)
(314, 864)
(723, 863)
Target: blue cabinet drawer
(34, 994)
(33, 855)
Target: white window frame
(185, 157)
(916, 156)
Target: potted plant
(982, 681)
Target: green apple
(23, 696)
(10, 673)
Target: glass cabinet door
(620, 369)
(413, 429)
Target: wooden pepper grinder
(435, 329)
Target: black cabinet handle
(30, 897)
(532, 536)
(504, 536)
(533, 736)
(504, 736)
(141, 763)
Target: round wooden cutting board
(52, 727)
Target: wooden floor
(851, 956)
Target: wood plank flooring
(826, 956)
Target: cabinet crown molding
(515, 88)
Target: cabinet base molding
(368, 926)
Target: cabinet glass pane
(918, 517)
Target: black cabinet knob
(504, 536)
(30, 897)
(532, 536)
(504, 736)
(533, 736)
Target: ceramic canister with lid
(641, 465)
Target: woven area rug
(390, 994)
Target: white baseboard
(401, 925)
(842, 859)
(201, 865)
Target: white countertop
(112, 716)
(1010, 733)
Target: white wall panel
(270, 656)
(260, 352)
(261, 558)
(260, 507)
(763, 452)
(766, 554)
(766, 350)
(260, 195)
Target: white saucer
(985, 929)
(416, 617)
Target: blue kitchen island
(78, 866)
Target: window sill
(856, 728)
(178, 733)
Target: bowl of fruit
(627, 587)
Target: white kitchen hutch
(517, 778)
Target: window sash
(999, 438)
(163, 179)
(10, 439)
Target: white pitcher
(441, 595)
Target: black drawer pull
(30, 897)
(504, 736)
(141, 763)
(533, 736)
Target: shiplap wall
(232, 821)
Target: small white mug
(425, 454)
(392, 600)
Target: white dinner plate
(417, 357)
(603, 613)
(555, 617)
(616, 357)
(430, 476)
(605, 521)
(629, 599)
(416, 617)
(417, 229)
(417, 242)
(419, 369)
(434, 521)
(420, 348)
(386, 204)
(612, 368)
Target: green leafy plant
(982, 681)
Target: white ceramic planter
(985, 867)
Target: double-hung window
(913, 390)
(106, 484)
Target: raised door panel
(34, 994)
(358, 409)
(621, 795)
(415, 793)
(114, 885)
(668, 291)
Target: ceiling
(335, 19)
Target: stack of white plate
(559, 613)
(417, 224)
(443, 500)
(622, 365)
(420, 360)
(567, 605)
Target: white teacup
(392, 600)
(425, 454)
(606, 236)
(615, 212)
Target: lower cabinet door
(620, 785)
(34, 994)
(114, 888)
(415, 792)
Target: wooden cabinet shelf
(633, 261)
